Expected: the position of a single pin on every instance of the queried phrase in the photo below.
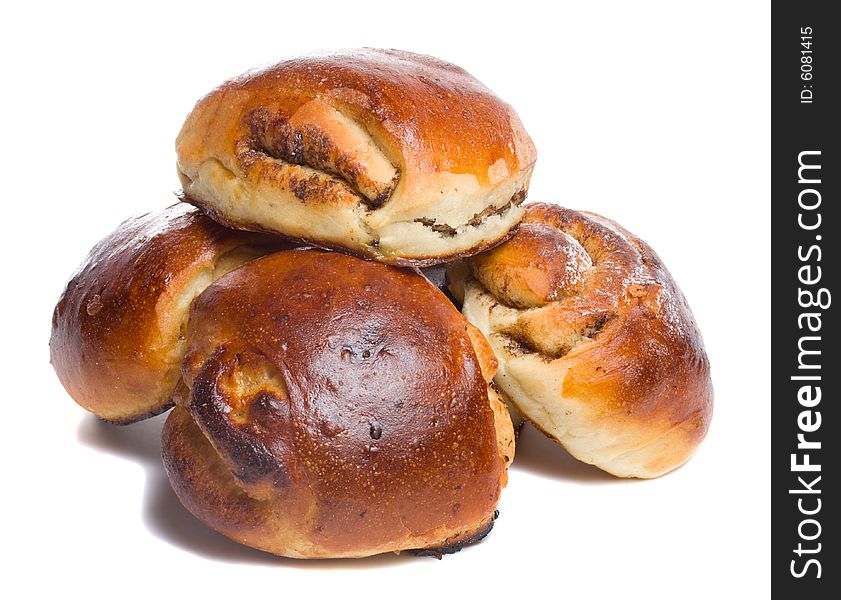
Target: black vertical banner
(806, 225)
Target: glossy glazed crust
(115, 333)
(393, 155)
(337, 408)
(596, 343)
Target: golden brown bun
(337, 408)
(116, 340)
(596, 344)
(398, 156)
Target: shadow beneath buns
(537, 453)
(165, 517)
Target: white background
(654, 114)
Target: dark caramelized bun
(397, 156)
(336, 407)
(596, 344)
(116, 340)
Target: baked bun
(336, 408)
(596, 344)
(116, 341)
(392, 155)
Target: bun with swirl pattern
(116, 342)
(596, 344)
(336, 407)
(392, 155)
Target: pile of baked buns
(353, 310)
